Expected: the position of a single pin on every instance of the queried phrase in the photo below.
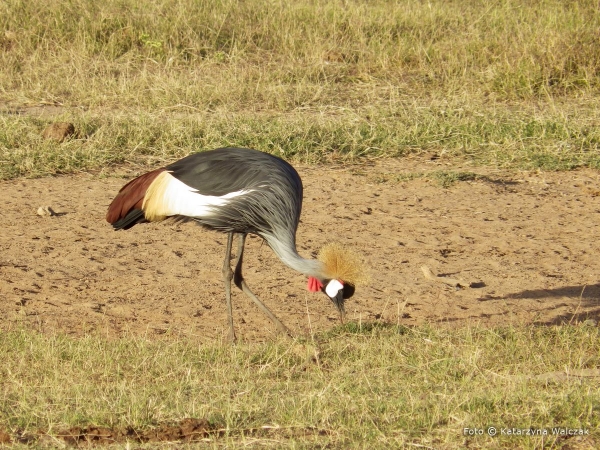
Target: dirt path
(528, 242)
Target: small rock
(4, 437)
(45, 211)
(590, 323)
(59, 131)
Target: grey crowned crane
(238, 191)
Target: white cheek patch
(333, 287)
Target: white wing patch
(168, 196)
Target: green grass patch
(552, 141)
(357, 385)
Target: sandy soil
(528, 243)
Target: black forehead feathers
(348, 291)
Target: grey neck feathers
(285, 249)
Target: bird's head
(343, 270)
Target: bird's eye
(348, 291)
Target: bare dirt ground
(187, 430)
(528, 243)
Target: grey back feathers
(275, 200)
(272, 207)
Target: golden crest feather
(342, 263)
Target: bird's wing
(220, 172)
(263, 192)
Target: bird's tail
(126, 208)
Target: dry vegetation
(388, 387)
(505, 83)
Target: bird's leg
(237, 274)
(227, 276)
(239, 281)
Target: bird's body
(232, 190)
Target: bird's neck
(285, 249)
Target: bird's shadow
(588, 295)
(587, 292)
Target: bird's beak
(338, 300)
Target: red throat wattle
(314, 285)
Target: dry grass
(375, 385)
(511, 84)
(268, 55)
